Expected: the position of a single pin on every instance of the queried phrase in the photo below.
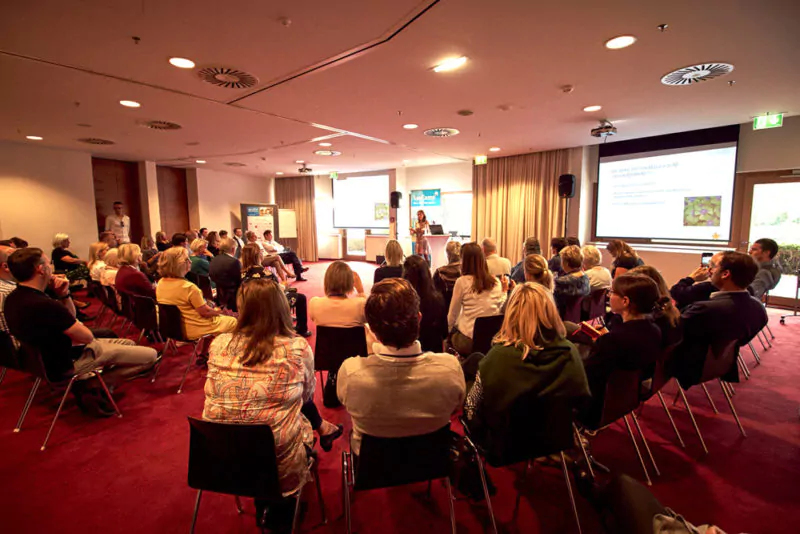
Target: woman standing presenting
(419, 231)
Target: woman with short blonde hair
(129, 278)
(129, 254)
(65, 260)
(108, 276)
(536, 270)
(574, 283)
(393, 266)
(199, 258)
(599, 276)
(97, 252)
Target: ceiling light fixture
(327, 153)
(411, 126)
(34, 137)
(299, 161)
(199, 161)
(450, 64)
(621, 41)
(181, 62)
(279, 173)
(592, 108)
(324, 144)
(130, 103)
(494, 149)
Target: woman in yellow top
(199, 319)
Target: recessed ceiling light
(299, 161)
(324, 144)
(450, 64)
(181, 62)
(279, 172)
(411, 126)
(494, 149)
(327, 153)
(34, 137)
(130, 103)
(592, 108)
(199, 161)
(621, 41)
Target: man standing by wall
(119, 224)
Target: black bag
(464, 473)
(329, 397)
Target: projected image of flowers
(702, 211)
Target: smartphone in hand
(705, 258)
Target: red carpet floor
(129, 475)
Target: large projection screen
(361, 202)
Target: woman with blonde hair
(199, 318)
(530, 356)
(162, 243)
(199, 257)
(66, 260)
(129, 278)
(393, 265)
(573, 283)
(97, 254)
(536, 270)
(108, 276)
(599, 276)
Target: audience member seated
(769, 275)
(498, 266)
(530, 355)
(531, 246)
(536, 270)
(665, 314)
(108, 276)
(252, 268)
(18, 242)
(633, 344)
(287, 256)
(400, 390)
(7, 282)
(476, 294)
(226, 273)
(97, 254)
(433, 324)
(336, 308)
(162, 243)
(599, 276)
(150, 256)
(270, 260)
(625, 258)
(554, 263)
(179, 240)
(65, 343)
(199, 259)
(191, 235)
(262, 373)
(213, 243)
(109, 239)
(574, 283)
(129, 278)
(695, 287)
(729, 313)
(392, 267)
(66, 261)
(444, 279)
(573, 240)
(199, 318)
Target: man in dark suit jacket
(238, 238)
(730, 313)
(226, 272)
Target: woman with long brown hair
(625, 258)
(475, 294)
(420, 229)
(665, 314)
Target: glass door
(355, 248)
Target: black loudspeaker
(566, 185)
(394, 199)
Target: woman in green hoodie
(531, 356)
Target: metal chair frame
(168, 331)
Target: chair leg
(296, 519)
(141, 335)
(671, 420)
(755, 353)
(733, 410)
(691, 416)
(196, 509)
(450, 502)
(730, 388)
(743, 367)
(485, 489)
(188, 366)
(710, 400)
(99, 376)
(2, 374)
(569, 490)
(58, 412)
(320, 499)
(239, 508)
(583, 450)
(770, 331)
(644, 440)
(638, 453)
(519, 493)
(766, 338)
(348, 513)
(763, 345)
(28, 403)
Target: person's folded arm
(79, 334)
(455, 304)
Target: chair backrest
(234, 459)
(621, 396)
(597, 303)
(145, 316)
(31, 361)
(386, 462)
(193, 278)
(111, 300)
(126, 304)
(96, 290)
(485, 330)
(334, 345)
(170, 322)
(571, 309)
(204, 282)
(720, 359)
(8, 352)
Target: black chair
(113, 304)
(193, 278)
(8, 355)
(239, 460)
(484, 331)
(204, 283)
(388, 462)
(170, 326)
(145, 316)
(334, 345)
(31, 360)
(570, 308)
(661, 378)
(532, 428)
(97, 290)
(126, 309)
(594, 305)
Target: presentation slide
(361, 202)
(683, 195)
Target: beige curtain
(516, 197)
(297, 193)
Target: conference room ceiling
(356, 71)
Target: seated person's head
(489, 246)
(531, 246)
(97, 251)
(531, 319)
(572, 240)
(191, 235)
(453, 251)
(30, 264)
(223, 234)
(161, 237)
(664, 301)
(556, 244)
(393, 253)
(174, 263)
(199, 246)
(536, 270)
(112, 258)
(237, 232)
(591, 257)
(732, 271)
(417, 272)
(202, 233)
(129, 254)
(213, 238)
(263, 315)
(5, 252)
(339, 280)
(61, 241)
(109, 238)
(268, 235)
(227, 245)
(764, 249)
(19, 242)
(392, 311)
(179, 240)
(633, 295)
(251, 237)
(617, 248)
(571, 258)
(147, 243)
(251, 256)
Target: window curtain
(297, 193)
(516, 197)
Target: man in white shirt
(497, 265)
(237, 238)
(119, 224)
(288, 256)
(399, 390)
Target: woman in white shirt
(97, 254)
(336, 308)
(599, 276)
(475, 294)
(108, 275)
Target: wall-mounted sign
(762, 122)
(422, 198)
(334, 175)
(481, 160)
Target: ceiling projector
(604, 130)
(304, 170)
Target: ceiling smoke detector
(160, 125)
(697, 73)
(95, 141)
(441, 132)
(227, 77)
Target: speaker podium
(438, 244)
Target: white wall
(45, 191)
(328, 239)
(769, 150)
(449, 178)
(219, 195)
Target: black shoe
(92, 403)
(326, 442)
(304, 269)
(301, 279)
(79, 315)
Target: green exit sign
(334, 175)
(762, 122)
(481, 160)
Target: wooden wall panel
(173, 199)
(117, 180)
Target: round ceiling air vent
(160, 125)
(95, 141)
(441, 132)
(327, 153)
(697, 73)
(227, 77)
(235, 164)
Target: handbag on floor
(464, 472)
(329, 397)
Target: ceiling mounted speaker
(697, 73)
(441, 132)
(227, 77)
(160, 125)
(95, 141)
